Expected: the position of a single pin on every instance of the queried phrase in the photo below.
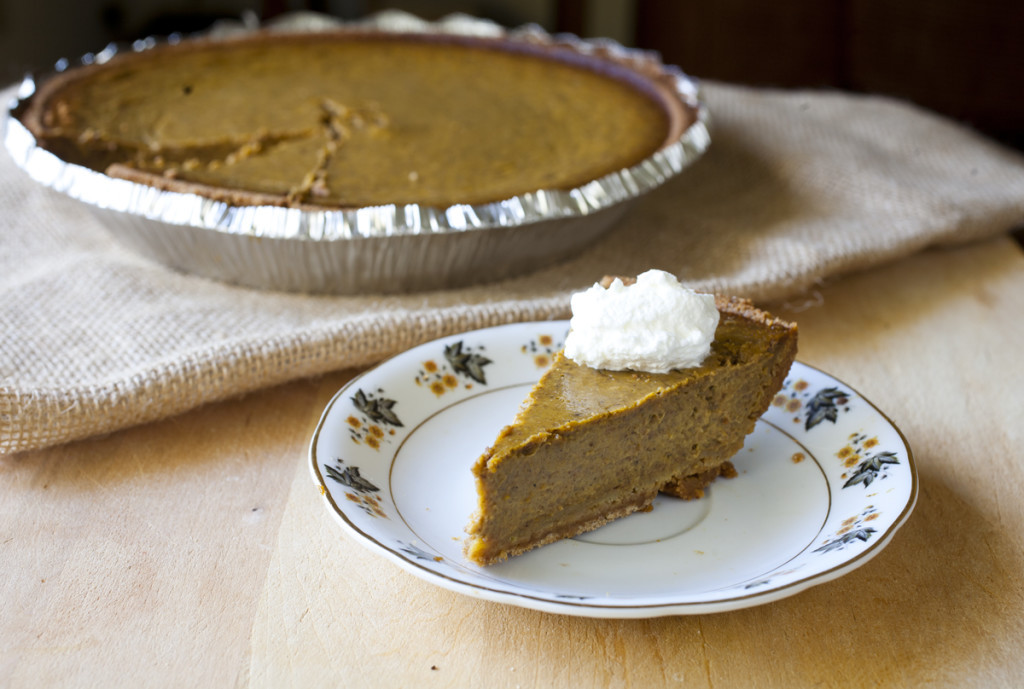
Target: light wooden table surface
(197, 552)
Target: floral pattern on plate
(462, 365)
(823, 483)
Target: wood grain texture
(957, 57)
(197, 551)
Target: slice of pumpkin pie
(599, 436)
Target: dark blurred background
(962, 58)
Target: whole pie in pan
(353, 118)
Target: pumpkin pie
(590, 445)
(351, 118)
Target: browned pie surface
(593, 445)
(351, 121)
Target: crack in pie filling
(353, 119)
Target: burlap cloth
(797, 187)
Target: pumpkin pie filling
(349, 119)
(592, 445)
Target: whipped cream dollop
(654, 325)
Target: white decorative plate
(824, 482)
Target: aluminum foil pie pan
(380, 249)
